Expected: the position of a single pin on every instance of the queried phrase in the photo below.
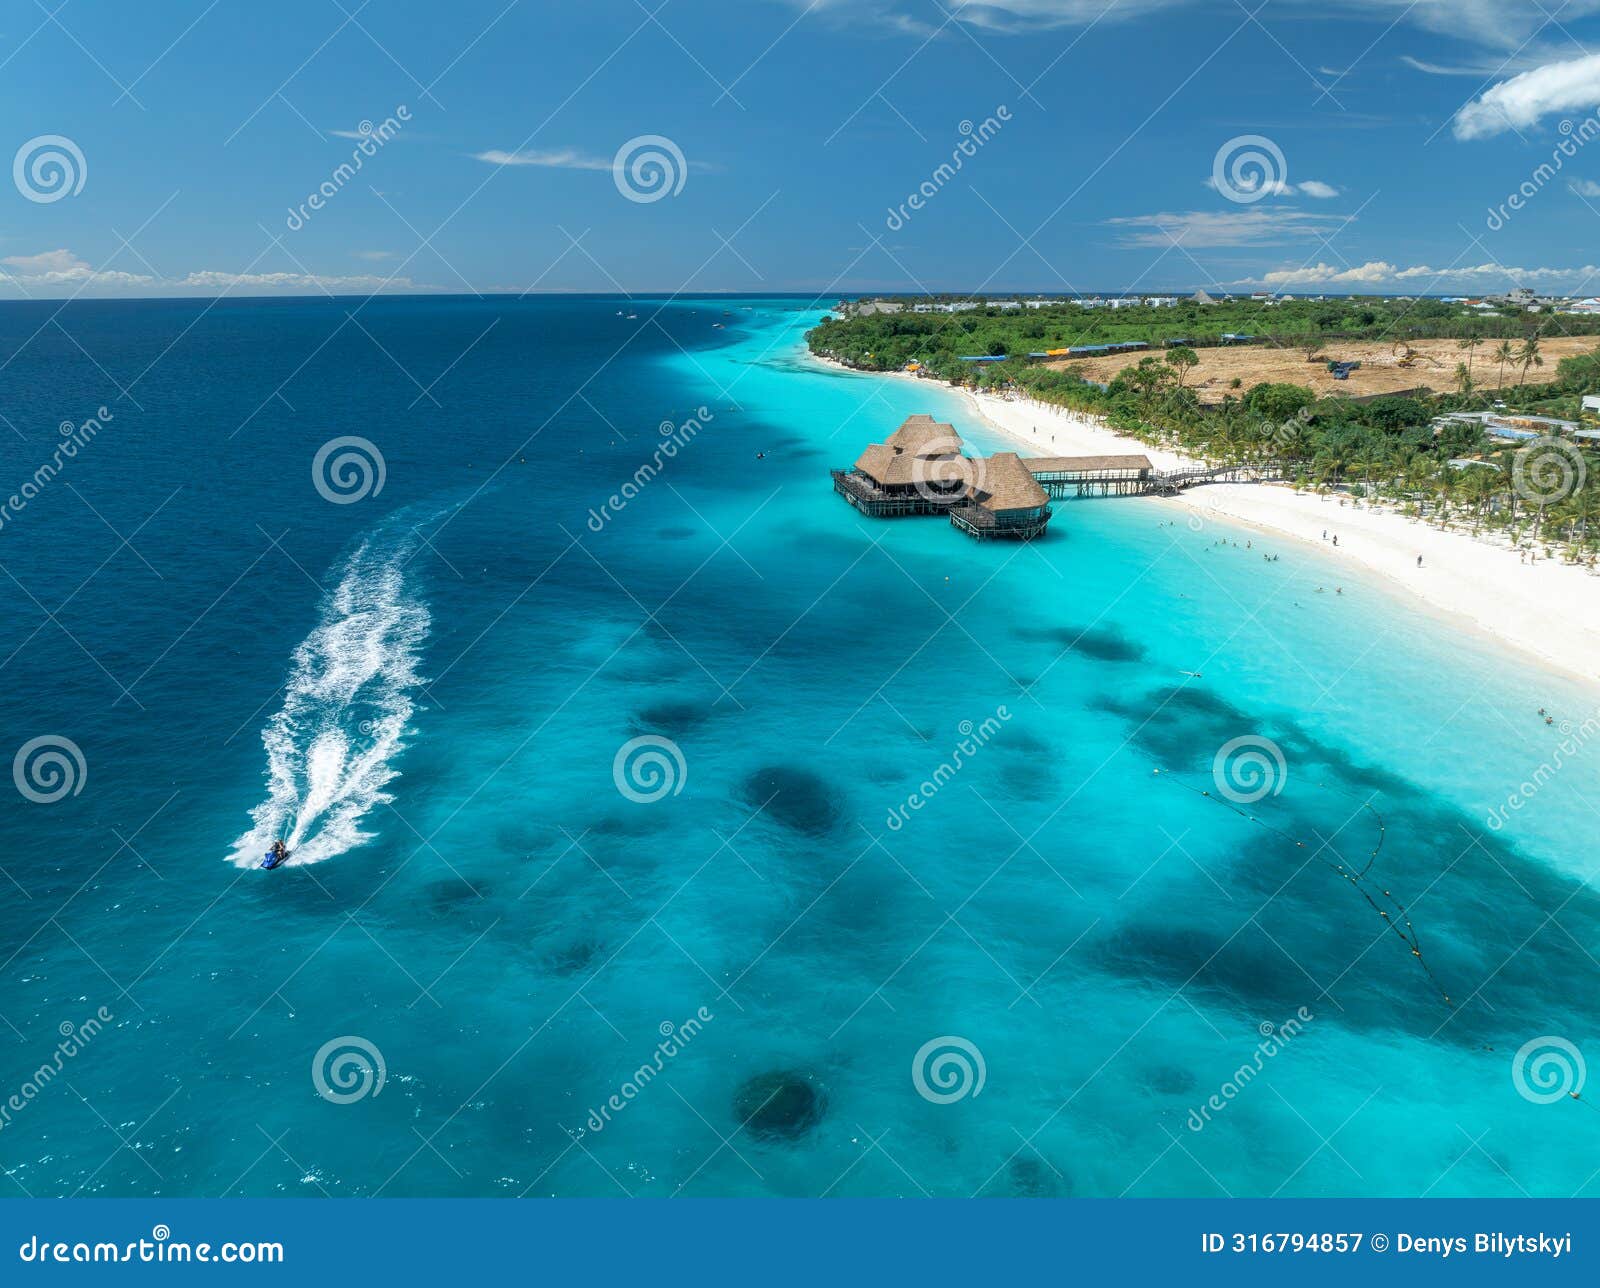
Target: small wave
(347, 705)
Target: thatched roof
(1005, 483)
(889, 468)
(875, 461)
(919, 433)
(1086, 464)
(921, 450)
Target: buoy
(1408, 934)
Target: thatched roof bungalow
(1007, 500)
(922, 469)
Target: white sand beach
(1547, 609)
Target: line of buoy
(1408, 935)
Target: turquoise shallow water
(428, 688)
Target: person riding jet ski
(276, 855)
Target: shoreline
(1548, 611)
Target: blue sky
(1389, 146)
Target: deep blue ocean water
(426, 690)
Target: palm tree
(1367, 463)
(1528, 356)
(1507, 481)
(1470, 344)
(1464, 377)
(1294, 439)
(1483, 485)
(1504, 355)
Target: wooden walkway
(1174, 481)
(1066, 477)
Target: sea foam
(346, 710)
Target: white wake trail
(346, 711)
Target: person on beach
(1419, 561)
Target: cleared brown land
(1380, 371)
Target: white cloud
(1327, 275)
(63, 268)
(555, 159)
(1377, 272)
(1524, 100)
(1501, 24)
(374, 254)
(359, 135)
(61, 273)
(1278, 188)
(1255, 226)
(298, 282)
(1248, 183)
(1489, 68)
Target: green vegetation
(1385, 449)
(886, 342)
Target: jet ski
(272, 858)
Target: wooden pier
(1065, 477)
(1069, 476)
(922, 470)
(1175, 481)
